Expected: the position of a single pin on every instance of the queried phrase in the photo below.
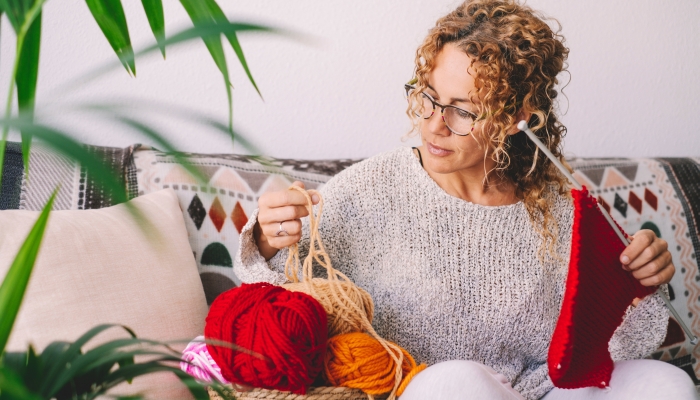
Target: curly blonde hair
(516, 58)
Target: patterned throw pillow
(662, 195)
(216, 211)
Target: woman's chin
(439, 166)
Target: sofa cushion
(215, 211)
(662, 194)
(99, 266)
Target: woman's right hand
(279, 220)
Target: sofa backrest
(661, 194)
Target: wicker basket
(314, 393)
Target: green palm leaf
(26, 368)
(60, 354)
(203, 30)
(119, 111)
(62, 371)
(23, 15)
(72, 363)
(15, 10)
(15, 283)
(156, 19)
(219, 15)
(12, 386)
(109, 15)
(129, 372)
(26, 78)
(99, 171)
(75, 150)
(200, 14)
(164, 145)
(91, 374)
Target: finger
(314, 197)
(279, 214)
(664, 276)
(280, 242)
(641, 240)
(282, 198)
(299, 183)
(292, 227)
(651, 252)
(653, 267)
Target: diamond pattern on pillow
(216, 211)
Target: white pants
(468, 380)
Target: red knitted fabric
(287, 328)
(598, 292)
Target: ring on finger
(281, 231)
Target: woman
(463, 243)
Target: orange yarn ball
(357, 360)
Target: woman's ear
(520, 116)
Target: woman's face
(451, 83)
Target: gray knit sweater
(450, 279)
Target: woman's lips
(437, 151)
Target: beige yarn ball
(341, 317)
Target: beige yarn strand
(338, 294)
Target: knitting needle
(522, 125)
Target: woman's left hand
(648, 259)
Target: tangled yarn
(198, 363)
(339, 322)
(347, 304)
(283, 332)
(359, 361)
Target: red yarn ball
(289, 329)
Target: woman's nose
(436, 125)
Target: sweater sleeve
(534, 382)
(642, 331)
(251, 267)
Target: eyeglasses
(458, 121)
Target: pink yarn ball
(198, 363)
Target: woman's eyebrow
(452, 100)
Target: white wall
(634, 89)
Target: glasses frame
(408, 87)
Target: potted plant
(65, 370)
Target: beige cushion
(98, 266)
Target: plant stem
(8, 107)
(11, 90)
(2, 140)
(0, 26)
(29, 18)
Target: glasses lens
(458, 120)
(425, 109)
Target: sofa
(661, 194)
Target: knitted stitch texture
(598, 291)
(451, 280)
